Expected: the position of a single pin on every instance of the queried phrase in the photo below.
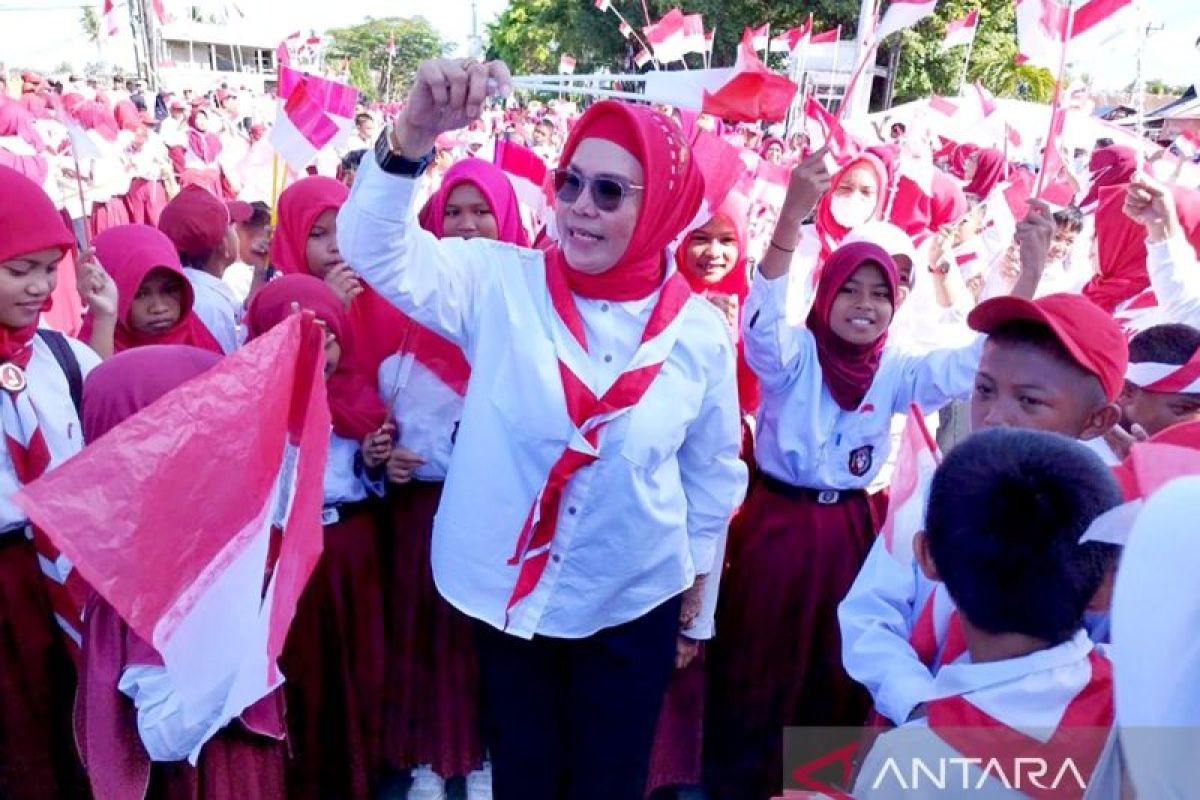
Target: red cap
(178, 105)
(239, 211)
(196, 221)
(1088, 333)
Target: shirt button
(607, 359)
(604, 306)
(571, 510)
(556, 558)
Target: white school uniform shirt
(345, 481)
(427, 413)
(1030, 693)
(50, 394)
(637, 525)
(217, 307)
(804, 437)
(1175, 278)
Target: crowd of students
(603, 494)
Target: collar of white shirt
(964, 677)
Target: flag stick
(1054, 107)
(967, 62)
(633, 32)
(82, 201)
(591, 91)
(1140, 87)
(837, 49)
(274, 190)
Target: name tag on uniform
(329, 516)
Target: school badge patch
(860, 460)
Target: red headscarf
(1121, 245)
(205, 145)
(96, 117)
(273, 305)
(958, 159)
(496, 190)
(30, 223)
(127, 116)
(375, 326)
(990, 170)
(847, 369)
(736, 211)
(671, 197)
(15, 120)
(129, 253)
(1109, 166)
(829, 230)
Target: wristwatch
(393, 162)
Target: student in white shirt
(1170, 259)
(602, 409)
(203, 231)
(41, 373)
(1007, 509)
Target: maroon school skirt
(38, 759)
(432, 696)
(679, 737)
(777, 660)
(333, 666)
(234, 765)
(109, 214)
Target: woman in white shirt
(596, 463)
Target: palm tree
(1004, 77)
(91, 29)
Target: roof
(1186, 106)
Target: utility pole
(475, 44)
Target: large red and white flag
(916, 461)
(693, 34)
(109, 18)
(667, 37)
(961, 31)
(829, 132)
(200, 522)
(566, 64)
(903, 14)
(760, 37)
(793, 39)
(316, 112)
(1042, 27)
(753, 92)
(824, 45)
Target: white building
(199, 55)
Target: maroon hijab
(847, 369)
(990, 170)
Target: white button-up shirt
(217, 307)
(637, 525)
(804, 437)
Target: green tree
(365, 47)
(925, 69)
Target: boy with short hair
(1006, 513)
(1162, 386)
(1055, 364)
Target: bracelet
(782, 249)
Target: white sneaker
(427, 785)
(479, 783)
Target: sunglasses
(607, 192)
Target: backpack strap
(68, 363)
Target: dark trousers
(574, 719)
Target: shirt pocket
(861, 444)
(657, 426)
(527, 392)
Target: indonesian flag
(283, 52)
(1042, 27)
(794, 38)
(315, 112)
(625, 30)
(841, 145)
(903, 14)
(961, 31)
(642, 58)
(200, 521)
(943, 106)
(916, 462)
(824, 45)
(566, 65)
(709, 38)
(667, 37)
(603, 5)
(160, 11)
(528, 175)
(721, 165)
(753, 92)
(1187, 144)
(109, 17)
(760, 37)
(693, 34)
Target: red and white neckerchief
(1166, 378)
(30, 457)
(589, 414)
(937, 635)
(1081, 735)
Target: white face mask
(852, 210)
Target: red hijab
(1109, 166)
(375, 326)
(958, 159)
(129, 381)
(736, 211)
(1121, 245)
(671, 197)
(847, 369)
(829, 230)
(96, 117)
(127, 116)
(990, 170)
(131, 252)
(496, 190)
(273, 305)
(206, 145)
(30, 223)
(15, 120)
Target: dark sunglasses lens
(567, 186)
(607, 193)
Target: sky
(1171, 54)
